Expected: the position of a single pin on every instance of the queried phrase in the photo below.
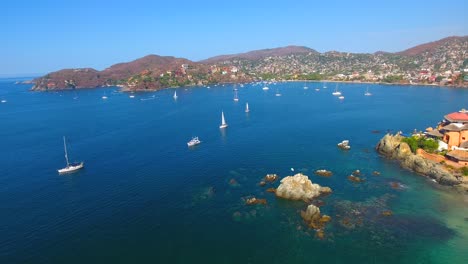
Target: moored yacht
(194, 141)
(71, 167)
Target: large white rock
(299, 187)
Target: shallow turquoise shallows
(145, 197)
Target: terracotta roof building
(458, 117)
(460, 156)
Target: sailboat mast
(223, 122)
(66, 154)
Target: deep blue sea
(145, 197)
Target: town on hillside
(451, 136)
(443, 62)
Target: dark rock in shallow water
(411, 227)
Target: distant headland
(443, 62)
(440, 153)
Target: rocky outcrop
(392, 147)
(299, 187)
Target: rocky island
(440, 154)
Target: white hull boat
(71, 167)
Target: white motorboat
(194, 141)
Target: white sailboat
(367, 93)
(265, 88)
(223, 121)
(247, 107)
(71, 167)
(175, 95)
(235, 96)
(336, 92)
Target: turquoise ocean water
(145, 197)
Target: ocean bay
(144, 195)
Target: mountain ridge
(152, 72)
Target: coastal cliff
(391, 146)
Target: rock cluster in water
(299, 187)
(392, 147)
(324, 173)
(254, 201)
(355, 178)
(315, 220)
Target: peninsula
(440, 154)
(443, 62)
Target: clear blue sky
(44, 36)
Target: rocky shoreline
(392, 147)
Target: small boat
(341, 97)
(305, 87)
(104, 97)
(223, 121)
(336, 92)
(194, 141)
(4, 101)
(175, 95)
(367, 93)
(278, 93)
(247, 107)
(235, 96)
(344, 145)
(265, 88)
(71, 167)
(317, 89)
(132, 96)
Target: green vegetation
(427, 144)
(392, 78)
(310, 77)
(464, 171)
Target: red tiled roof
(457, 116)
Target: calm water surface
(144, 197)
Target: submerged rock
(387, 213)
(233, 182)
(355, 178)
(271, 190)
(299, 187)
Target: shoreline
(123, 89)
(392, 147)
